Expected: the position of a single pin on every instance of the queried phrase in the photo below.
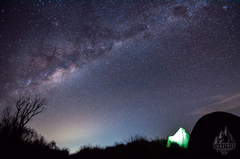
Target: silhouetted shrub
(89, 152)
(136, 147)
(19, 141)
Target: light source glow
(181, 137)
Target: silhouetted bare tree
(27, 107)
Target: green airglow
(181, 137)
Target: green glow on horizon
(181, 137)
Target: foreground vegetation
(31, 146)
(136, 147)
(17, 140)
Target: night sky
(110, 70)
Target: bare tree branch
(26, 108)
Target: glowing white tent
(181, 137)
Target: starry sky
(114, 69)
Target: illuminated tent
(181, 137)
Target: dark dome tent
(216, 135)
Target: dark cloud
(180, 11)
(135, 30)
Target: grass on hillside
(136, 147)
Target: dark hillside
(137, 147)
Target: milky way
(114, 69)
